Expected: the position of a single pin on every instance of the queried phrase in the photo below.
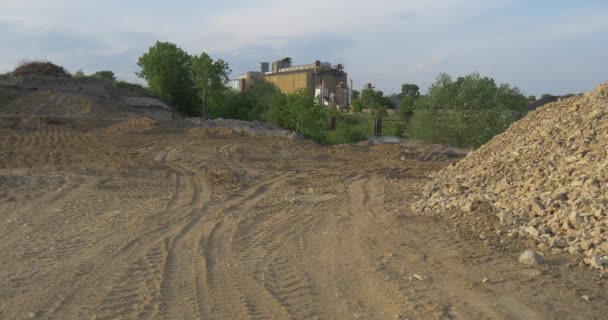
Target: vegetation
(79, 74)
(104, 75)
(166, 68)
(374, 101)
(465, 113)
(192, 83)
(409, 94)
(209, 79)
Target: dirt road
(138, 220)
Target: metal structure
(378, 127)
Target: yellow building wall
(292, 81)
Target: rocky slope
(545, 178)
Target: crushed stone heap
(545, 178)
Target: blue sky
(539, 46)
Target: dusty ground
(141, 220)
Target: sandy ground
(141, 220)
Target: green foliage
(379, 111)
(375, 99)
(409, 94)
(209, 79)
(547, 96)
(346, 133)
(79, 74)
(265, 98)
(467, 112)
(166, 68)
(356, 94)
(233, 105)
(299, 113)
(531, 98)
(195, 84)
(104, 75)
(406, 110)
(356, 106)
(410, 90)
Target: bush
(346, 133)
(105, 75)
(467, 112)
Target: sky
(540, 46)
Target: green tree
(265, 99)
(373, 100)
(410, 90)
(299, 113)
(466, 112)
(409, 94)
(166, 68)
(356, 105)
(79, 74)
(233, 105)
(105, 75)
(209, 79)
(355, 94)
(531, 98)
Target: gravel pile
(545, 178)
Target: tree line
(465, 112)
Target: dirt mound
(546, 179)
(41, 68)
(76, 98)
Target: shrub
(467, 112)
(105, 75)
(346, 133)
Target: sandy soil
(146, 220)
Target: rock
(575, 220)
(418, 277)
(597, 262)
(532, 231)
(558, 242)
(531, 258)
(505, 218)
(536, 208)
(604, 247)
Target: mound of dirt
(41, 68)
(38, 96)
(545, 179)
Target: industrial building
(321, 80)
